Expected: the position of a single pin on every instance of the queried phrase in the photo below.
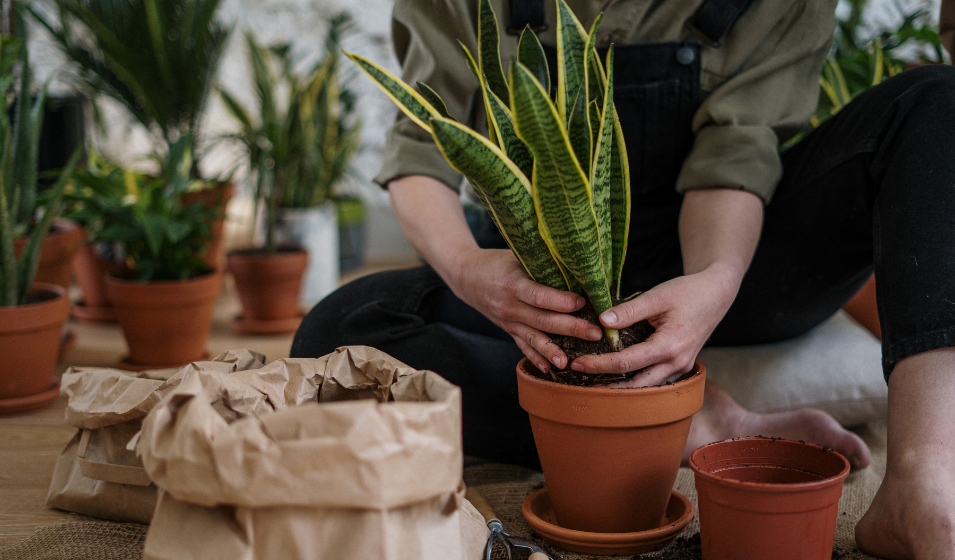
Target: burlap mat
(504, 487)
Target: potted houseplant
(31, 314)
(159, 60)
(299, 147)
(555, 178)
(164, 293)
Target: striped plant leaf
(506, 194)
(571, 41)
(530, 53)
(407, 99)
(476, 72)
(435, 100)
(619, 203)
(601, 175)
(596, 78)
(595, 123)
(561, 192)
(489, 50)
(502, 121)
(580, 132)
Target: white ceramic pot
(316, 230)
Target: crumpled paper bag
(353, 455)
(95, 474)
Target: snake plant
(552, 174)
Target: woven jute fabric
(504, 487)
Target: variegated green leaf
(571, 41)
(489, 50)
(619, 203)
(600, 176)
(530, 53)
(579, 131)
(408, 100)
(596, 79)
(502, 121)
(476, 72)
(560, 188)
(435, 100)
(595, 123)
(505, 192)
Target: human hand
(684, 311)
(493, 282)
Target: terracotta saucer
(266, 326)
(94, 313)
(128, 365)
(23, 404)
(539, 513)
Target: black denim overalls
(873, 187)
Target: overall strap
(527, 13)
(715, 17)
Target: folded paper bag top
(213, 438)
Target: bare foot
(913, 514)
(722, 418)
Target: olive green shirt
(758, 89)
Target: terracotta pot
(91, 270)
(610, 456)
(166, 323)
(269, 287)
(29, 343)
(216, 196)
(56, 253)
(863, 308)
(768, 498)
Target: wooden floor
(30, 442)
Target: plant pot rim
(39, 287)
(769, 487)
(608, 391)
(285, 250)
(131, 281)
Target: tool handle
(538, 556)
(477, 500)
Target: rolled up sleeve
(422, 31)
(770, 90)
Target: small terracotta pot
(610, 456)
(768, 498)
(56, 253)
(268, 284)
(91, 271)
(166, 323)
(30, 341)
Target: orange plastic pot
(29, 344)
(610, 456)
(166, 323)
(56, 253)
(768, 498)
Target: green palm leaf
(505, 192)
(561, 192)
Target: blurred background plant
(143, 219)
(156, 57)
(301, 142)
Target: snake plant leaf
(482, 80)
(435, 100)
(505, 192)
(561, 192)
(408, 100)
(502, 122)
(595, 120)
(571, 41)
(601, 175)
(619, 203)
(530, 53)
(489, 50)
(596, 78)
(580, 132)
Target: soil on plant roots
(575, 347)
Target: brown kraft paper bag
(95, 474)
(353, 455)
